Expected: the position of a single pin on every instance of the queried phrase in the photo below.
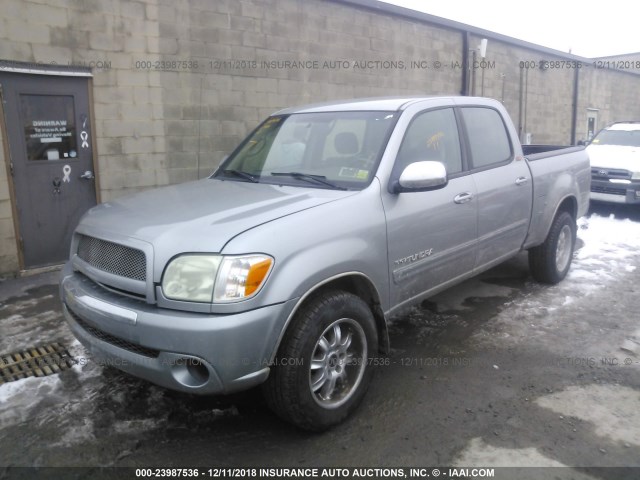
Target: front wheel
(550, 262)
(323, 371)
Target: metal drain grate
(35, 362)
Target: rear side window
(488, 138)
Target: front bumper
(191, 352)
(617, 191)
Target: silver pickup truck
(284, 267)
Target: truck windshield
(338, 150)
(626, 138)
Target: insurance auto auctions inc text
(373, 472)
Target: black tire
(550, 262)
(337, 332)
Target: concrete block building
(102, 98)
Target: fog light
(198, 371)
(189, 371)
(637, 193)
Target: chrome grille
(113, 258)
(610, 173)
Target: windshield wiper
(241, 174)
(319, 179)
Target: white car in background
(615, 163)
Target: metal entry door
(592, 123)
(51, 160)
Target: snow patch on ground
(63, 403)
(612, 409)
(76, 434)
(478, 453)
(608, 249)
(609, 244)
(135, 426)
(85, 367)
(25, 327)
(18, 398)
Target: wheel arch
(543, 258)
(570, 205)
(357, 284)
(539, 228)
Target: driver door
(431, 235)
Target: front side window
(432, 136)
(488, 138)
(323, 150)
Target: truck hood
(615, 156)
(200, 216)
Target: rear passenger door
(503, 182)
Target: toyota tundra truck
(284, 266)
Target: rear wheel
(550, 262)
(322, 371)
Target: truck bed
(536, 152)
(556, 171)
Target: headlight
(635, 175)
(241, 277)
(191, 277)
(215, 278)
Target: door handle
(88, 175)
(463, 197)
(521, 180)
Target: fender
(374, 302)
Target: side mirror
(422, 176)
(581, 143)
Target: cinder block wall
(613, 93)
(241, 77)
(162, 123)
(539, 101)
